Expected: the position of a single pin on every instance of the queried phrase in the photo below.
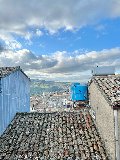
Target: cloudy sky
(60, 39)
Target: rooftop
(4, 71)
(64, 135)
(110, 87)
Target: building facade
(14, 94)
(104, 96)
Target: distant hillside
(40, 86)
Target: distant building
(104, 96)
(14, 94)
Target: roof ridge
(6, 71)
(109, 88)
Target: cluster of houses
(104, 100)
(50, 102)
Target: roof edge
(114, 106)
(17, 68)
(101, 91)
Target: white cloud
(69, 14)
(39, 32)
(13, 44)
(28, 36)
(27, 19)
(21, 16)
(9, 41)
(61, 65)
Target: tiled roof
(4, 71)
(52, 136)
(110, 87)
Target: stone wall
(104, 118)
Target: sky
(60, 40)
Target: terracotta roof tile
(63, 135)
(4, 71)
(110, 87)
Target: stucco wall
(14, 97)
(104, 118)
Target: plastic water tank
(79, 92)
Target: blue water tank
(79, 92)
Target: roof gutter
(117, 154)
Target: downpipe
(117, 154)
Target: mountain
(39, 86)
